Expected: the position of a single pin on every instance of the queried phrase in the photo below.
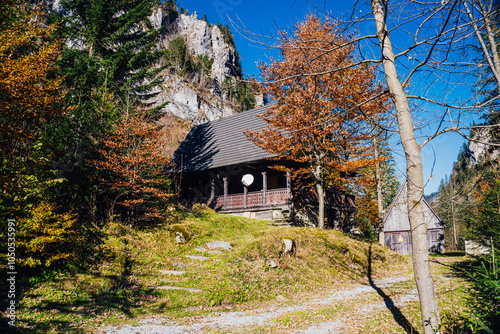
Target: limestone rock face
(193, 99)
(197, 34)
(186, 99)
(223, 55)
(479, 146)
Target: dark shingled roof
(221, 143)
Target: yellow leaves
(45, 236)
(28, 94)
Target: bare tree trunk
(490, 49)
(379, 195)
(421, 267)
(321, 204)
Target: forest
(85, 155)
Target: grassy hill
(121, 287)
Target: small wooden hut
(215, 157)
(397, 233)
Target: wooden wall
(397, 227)
(401, 241)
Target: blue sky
(267, 17)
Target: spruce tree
(111, 41)
(111, 58)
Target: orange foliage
(366, 198)
(322, 114)
(133, 158)
(29, 95)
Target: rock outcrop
(196, 97)
(191, 99)
(480, 147)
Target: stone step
(178, 265)
(168, 287)
(219, 244)
(172, 272)
(197, 257)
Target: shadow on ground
(389, 303)
(68, 316)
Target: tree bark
(321, 204)
(379, 195)
(451, 199)
(414, 169)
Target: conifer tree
(111, 57)
(112, 41)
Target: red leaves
(325, 105)
(133, 157)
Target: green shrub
(485, 298)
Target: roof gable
(397, 215)
(221, 143)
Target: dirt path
(369, 296)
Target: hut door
(402, 243)
(398, 243)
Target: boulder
(179, 238)
(289, 247)
(271, 263)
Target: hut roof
(221, 143)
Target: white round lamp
(247, 179)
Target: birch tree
(414, 170)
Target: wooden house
(215, 163)
(397, 234)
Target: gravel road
(240, 322)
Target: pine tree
(112, 41)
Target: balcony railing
(252, 200)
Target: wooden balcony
(254, 199)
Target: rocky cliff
(192, 94)
(480, 147)
(200, 65)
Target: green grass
(117, 290)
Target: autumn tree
(375, 193)
(131, 163)
(431, 57)
(29, 95)
(30, 98)
(318, 120)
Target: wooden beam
(212, 191)
(264, 188)
(245, 194)
(225, 191)
(288, 186)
